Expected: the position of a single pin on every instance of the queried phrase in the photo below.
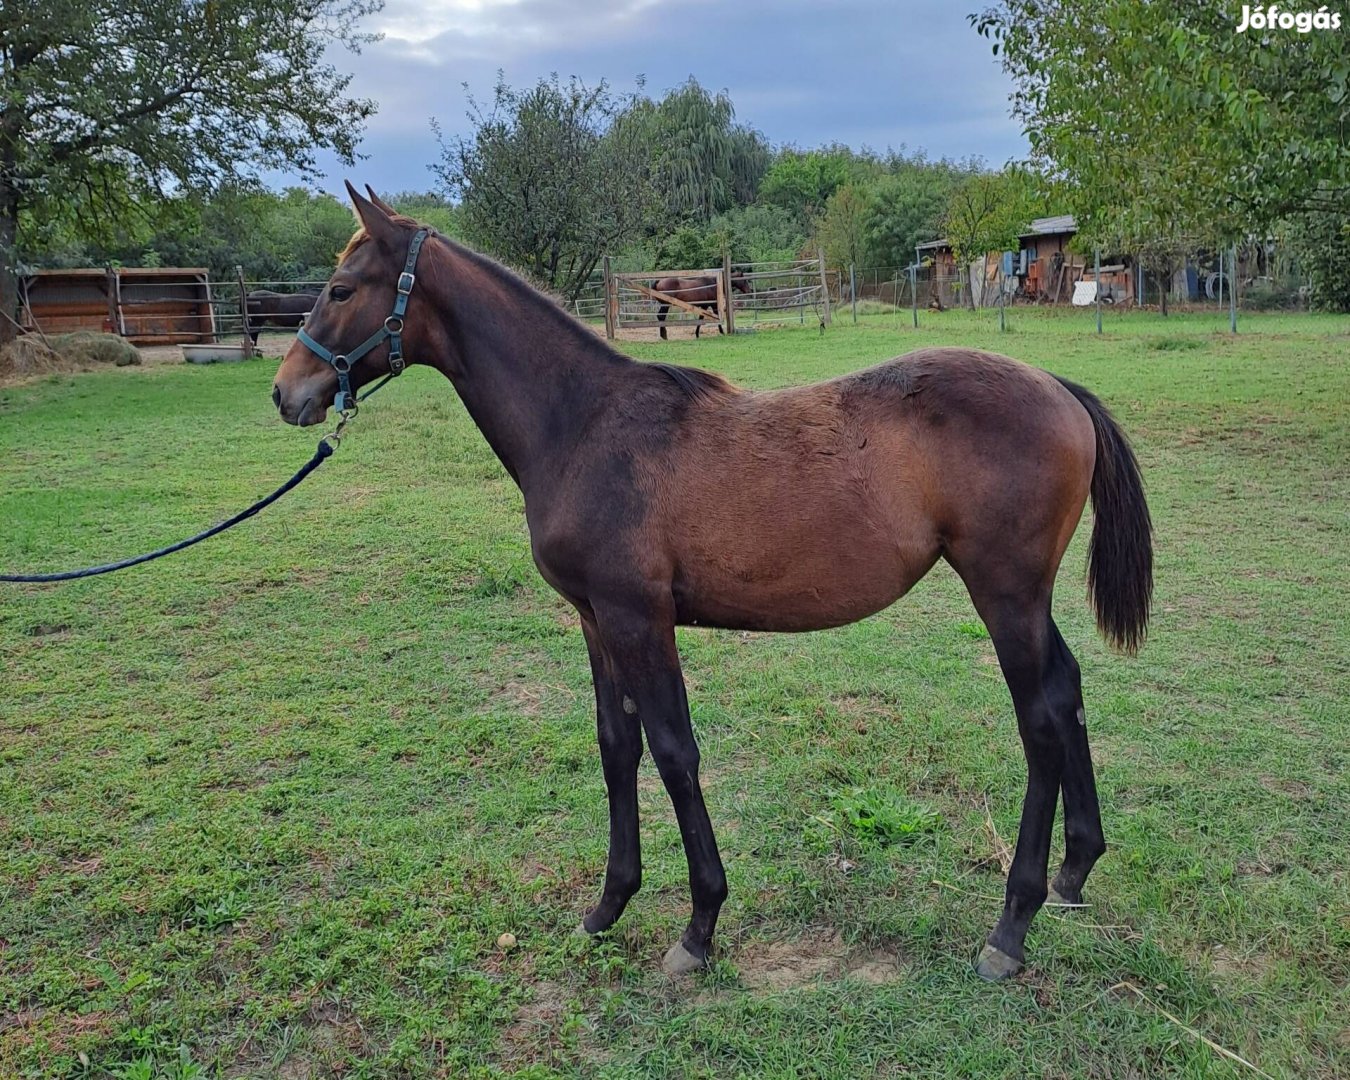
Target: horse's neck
(531, 377)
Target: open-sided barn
(146, 305)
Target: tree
(760, 233)
(1322, 242)
(430, 207)
(907, 208)
(842, 232)
(1158, 120)
(114, 105)
(702, 163)
(802, 181)
(550, 179)
(987, 213)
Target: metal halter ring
(394, 324)
(341, 364)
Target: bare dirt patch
(532, 1036)
(820, 955)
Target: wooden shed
(146, 305)
(1052, 269)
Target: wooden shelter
(146, 305)
(1052, 269)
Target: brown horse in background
(699, 291)
(286, 310)
(659, 496)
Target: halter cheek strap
(392, 329)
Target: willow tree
(702, 162)
(110, 105)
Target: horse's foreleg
(620, 751)
(650, 685)
(661, 318)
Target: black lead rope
(324, 450)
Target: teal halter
(392, 329)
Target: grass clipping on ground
(34, 355)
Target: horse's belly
(793, 592)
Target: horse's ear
(374, 220)
(380, 202)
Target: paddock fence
(775, 293)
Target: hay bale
(34, 355)
(29, 355)
(86, 349)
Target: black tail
(1120, 558)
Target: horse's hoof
(581, 930)
(1055, 898)
(680, 961)
(994, 965)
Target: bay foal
(658, 495)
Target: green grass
(266, 806)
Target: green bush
(1322, 243)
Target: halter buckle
(406, 281)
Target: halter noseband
(392, 328)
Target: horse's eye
(339, 292)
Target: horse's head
(741, 283)
(367, 294)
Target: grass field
(266, 807)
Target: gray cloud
(856, 72)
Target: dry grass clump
(34, 355)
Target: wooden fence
(778, 292)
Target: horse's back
(824, 503)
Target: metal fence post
(1232, 293)
(1097, 277)
(610, 305)
(246, 345)
(824, 290)
(914, 293)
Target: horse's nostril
(276, 396)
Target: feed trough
(214, 354)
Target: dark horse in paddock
(659, 495)
(287, 310)
(699, 291)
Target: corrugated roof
(1046, 226)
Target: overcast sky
(906, 73)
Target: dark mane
(697, 384)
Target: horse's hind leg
(1043, 679)
(661, 318)
(1014, 602)
(1083, 839)
(1021, 635)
